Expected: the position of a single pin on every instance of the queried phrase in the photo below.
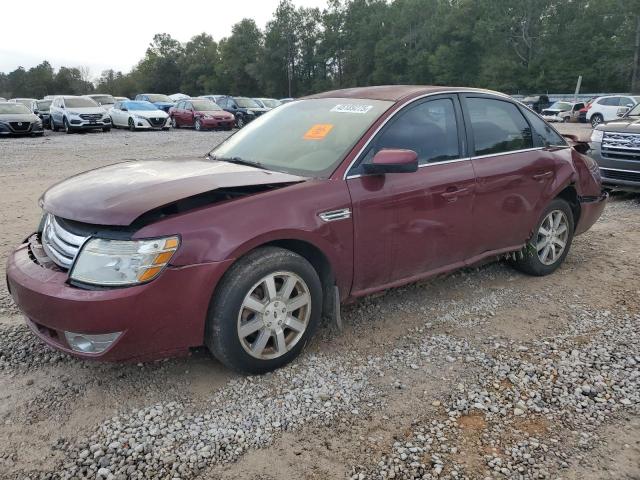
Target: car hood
(18, 117)
(215, 113)
(622, 125)
(119, 194)
(86, 110)
(149, 113)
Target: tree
(240, 54)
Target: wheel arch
(570, 195)
(318, 259)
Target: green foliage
(514, 46)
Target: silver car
(74, 113)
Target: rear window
(497, 126)
(157, 97)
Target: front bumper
(34, 129)
(81, 124)
(590, 210)
(162, 318)
(215, 123)
(623, 174)
(146, 124)
(553, 118)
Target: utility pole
(635, 88)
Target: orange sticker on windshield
(318, 131)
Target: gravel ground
(486, 373)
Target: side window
(222, 102)
(610, 102)
(543, 134)
(624, 101)
(179, 105)
(430, 129)
(188, 106)
(497, 126)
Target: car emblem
(19, 124)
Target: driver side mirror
(392, 161)
(125, 109)
(622, 111)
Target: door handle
(543, 175)
(452, 194)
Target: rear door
(514, 173)
(409, 224)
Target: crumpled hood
(118, 194)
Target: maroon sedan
(322, 201)
(201, 114)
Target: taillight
(588, 106)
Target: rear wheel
(53, 125)
(596, 119)
(551, 241)
(264, 311)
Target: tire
(197, 125)
(565, 119)
(596, 119)
(240, 122)
(174, 124)
(540, 256)
(66, 126)
(106, 129)
(271, 339)
(132, 125)
(54, 127)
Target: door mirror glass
(392, 161)
(125, 109)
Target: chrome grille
(59, 244)
(91, 116)
(621, 146)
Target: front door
(408, 225)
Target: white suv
(604, 109)
(74, 113)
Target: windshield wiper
(239, 161)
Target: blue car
(163, 102)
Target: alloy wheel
(553, 235)
(174, 124)
(240, 122)
(274, 315)
(132, 125)
(198, 125)
(596, 120)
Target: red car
(201, 114)
(324, 200)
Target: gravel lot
(486, 373)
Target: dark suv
(615, 146)
(243, 108)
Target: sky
(114, 34)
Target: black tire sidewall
(221, 333)
(531, 264)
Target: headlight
(207, 116)
(122, 262)
(596, 136)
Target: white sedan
(136, 115)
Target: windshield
(244, 102)
(43, 105)
(79, 102)
(157, 97)
(562, 106)
(104, 99)
(13, 108)
(139, 106)
(271, 103)
(204, 105)
(308, 138)
(24, 101)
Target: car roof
(395, 93)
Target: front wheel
(174, 124)
(67, 127)
(198, 125)
(550, 243)
(240, 122)
(265, 310)
(132, 125)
